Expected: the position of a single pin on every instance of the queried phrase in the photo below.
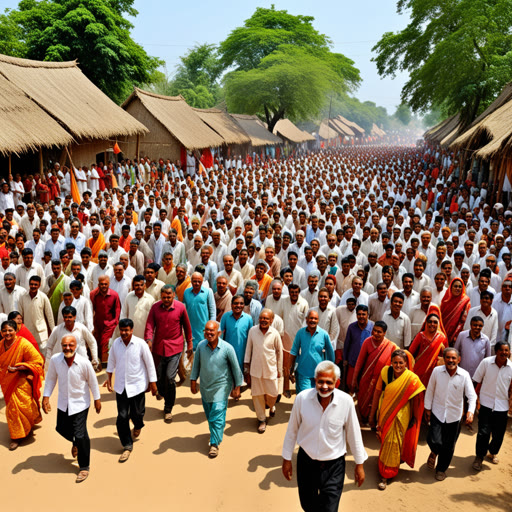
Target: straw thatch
(342, 128)
(26, 126)
(354, 126)
(287, 130)
(178, 118)
(440, 131)
(377, 132)
(64, 92)
(256, 130)
(327, 131)
(491, 131)
(224, 125)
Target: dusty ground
(169, 468)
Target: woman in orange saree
(398, 408)
(21, 370)
(454, 309)
(427, 347)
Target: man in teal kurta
(235, 326)
(200, 304)
(311, 346)
(216, 367)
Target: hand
(46, 405)
(359, 475)
(236, 392)
(190, 353)
(12, 369)
(279, 375)
(150, 345)
(153, 388)
(338, 356)
(97, 366)
(97, 406)
(469, 418)
(288, 470)
(193, 387)
(507, 325)
(109, 385)
(427, 415)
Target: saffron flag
(117, 149)
(202, 170)
(114, 180)
(75, 192)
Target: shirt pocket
(334, 428)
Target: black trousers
(74, 428)
(441, 439)
(166, 374)
(490, 424)
(132, 408)
(320, 482)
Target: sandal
(82, 476)
(262, 427)
(13, 445)
(440, 475)
(431, 462)
(493, 458)
(383, 484)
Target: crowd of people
(373, 270)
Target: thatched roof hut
(224, 125)
(341, 127)
(446, 128)
(172, 124)
(377, 132)
(71, 100)
(354, 126)
(287, 130)
(256, 130)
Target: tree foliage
(283, 67)
(458, 54)
(403, 114)
(94, 32)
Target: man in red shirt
(166, 322)
(107, 308)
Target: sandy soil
(169, 467)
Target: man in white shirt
(488, 314)
(10, 294)
(444, 399)
(399, 324)
(495, 376)
(133, 364)
(120, 283)
(321, 422)
(76, 378)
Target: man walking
(131, 359)
(322, 420)
(444, 399)
(216, 367)
(76, 379)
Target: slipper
(125, 456)
(477, 464)
(13, 445)
(272, 411)
(383, 484)
(262, 427)
(82, 476)
(440, 475)
(431, 462)
(136, 432)
(493, 458)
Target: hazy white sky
(167, 29)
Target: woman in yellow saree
(398, 408)
(21, 371)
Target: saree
(454, 311)
(398, 441)
(55, 295)
(125, 242)
(180, 288)
(22, 390)
(176, 224)
(96, 247)
(376, 359)
(426, 353)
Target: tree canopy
(94, 32)
(283, 67)
(458, 54)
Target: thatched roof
(178, 118)
(442, 130)
(352, 125)
(327, 131)
(65, 93)
(342, 128)
(224, 125)
(286, 129)
(26, 126)
(491, 131)
(377, 132)
(256, 130)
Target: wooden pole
(41, 162)
(137, 147)
(10, 168)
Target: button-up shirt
(495, 383)
(354, 341)
(165, 327)
(472, 351)
(235, 332)
(137, 310)
(445, 394)
(399, 329)
(490, 323)
(264, 352)
(217, 370)
(55, 248)
(311, 349)
(122, 287)
(201, 308)
(83, 336)
(79, 242)
(75, 381)
(323, 434)
(9, 300)
(23, 275)
(133, 365)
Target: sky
(167, 29)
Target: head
(327, 377)
(68, 345)
(212, 332)
(167, 294)
(126, 329)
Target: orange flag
(117, 149)
(75, 192)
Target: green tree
(458, 54)
(283, 67)
(95, 32)
(403, 114)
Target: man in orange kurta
(21, 370)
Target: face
(312, 320)
(325, 383)
(323, 299)
(362, 317)
(451, 360)
(210, 332)
(167, 297)
(9, 334)
(197, 281)
(68, 345)
(222, 286)
(265, 320)
(34, 287)
(103, 285)
(69, 321)
(476, 328)
(378, 334)
(399, 365)
(432, 325)
(237, 306)
(501, 355)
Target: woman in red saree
(374, 355)
(21, 370)
(428, 346)
(455, 307)
(397, 409)
(54, 186)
